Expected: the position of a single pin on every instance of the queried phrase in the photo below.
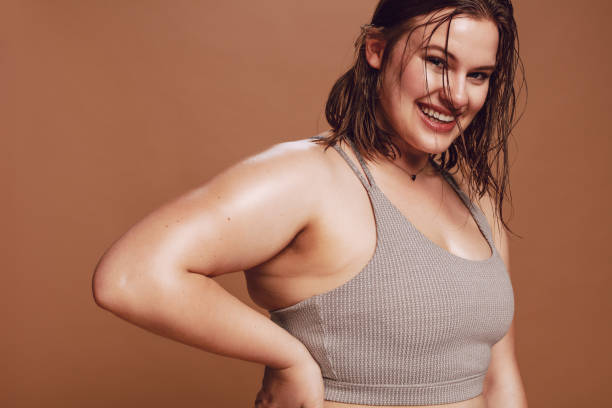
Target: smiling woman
(387, 284)
(412, 97)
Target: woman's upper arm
(239, 219)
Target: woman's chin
(428, 143)
(435, 146)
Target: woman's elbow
(107, 285)
(133, 285)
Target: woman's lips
(436, 126)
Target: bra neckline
(443, 251)
(373, 186)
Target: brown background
(110, 108)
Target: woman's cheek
(483, 91)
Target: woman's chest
(345, 234)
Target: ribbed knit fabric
(415, 326)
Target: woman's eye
(440, 63)
(482, 76)
(436, 61)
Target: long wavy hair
(480, 152)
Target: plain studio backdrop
(111, 108)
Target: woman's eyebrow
(451, 56)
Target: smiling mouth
(435, 115)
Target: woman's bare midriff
(477, 402)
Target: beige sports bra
(416, 325)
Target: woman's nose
(455, 94)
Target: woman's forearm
(196, 310)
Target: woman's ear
(374, 49)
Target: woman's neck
(412, 161)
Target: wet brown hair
(479, 149)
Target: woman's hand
(297, 386)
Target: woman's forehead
(469, 37)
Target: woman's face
(409, 104)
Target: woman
(386, 283)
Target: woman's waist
(476, 402)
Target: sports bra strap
(455, 186)
(364, 166)
(477, 214)
(367, 183)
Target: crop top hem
(404, 394)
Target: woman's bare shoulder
(301, 162)
(289, 154)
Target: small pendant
(413, 176)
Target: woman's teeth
(436, 115)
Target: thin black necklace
(412, 176)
